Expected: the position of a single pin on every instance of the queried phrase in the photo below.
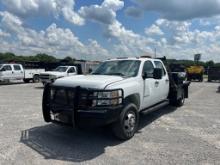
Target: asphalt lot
(187, 135)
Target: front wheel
(127, 124)
(45, 104)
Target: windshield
(61, 69)
(125, 68)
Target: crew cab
(17, 72)
(113, 94)
(59, 72)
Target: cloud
(181, 41)
(127, 43)
(4, 34)
(153, 30)
(134, 12)
(32, 8)
(104, 13)
(98, 14)
(53, 40)
(181, 10)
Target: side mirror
(158, 73)
(147, 75)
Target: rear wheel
(178, 102)
(127, 124)
(26, 80)
(36, 79)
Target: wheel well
(134, 98)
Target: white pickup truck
(114, 94)
(59, 72)
(17, 72)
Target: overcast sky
(98, 29)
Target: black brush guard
(72, 101)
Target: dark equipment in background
(213, 74)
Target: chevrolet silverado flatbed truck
(114, 94)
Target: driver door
(7, 72)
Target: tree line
(8, 57)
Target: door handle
(156, 82)
(167, 80)
(12, 72)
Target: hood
(54, 73)
(88, 81)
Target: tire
(180, 102)
(127, 124)
(26, 80)
(45, 108)
(201, 78)
(36, 79)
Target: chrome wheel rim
(183, 98)
(130, 122)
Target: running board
(155, 107)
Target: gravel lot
(187, 135)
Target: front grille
(71, 97)
(85, 99)
(62, 96)
(75, 98)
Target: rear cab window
(159, 64)
(17, 67)
(71, 70)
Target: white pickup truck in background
(10, 72)
(59, 72)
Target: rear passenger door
(163, 84)
(18, 72)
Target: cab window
(7, 68)
(17, 67)
(158, 64)
(71, 70)
(148, 68)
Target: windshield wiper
(117, 74)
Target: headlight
(108, 98)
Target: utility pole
(155, 52)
